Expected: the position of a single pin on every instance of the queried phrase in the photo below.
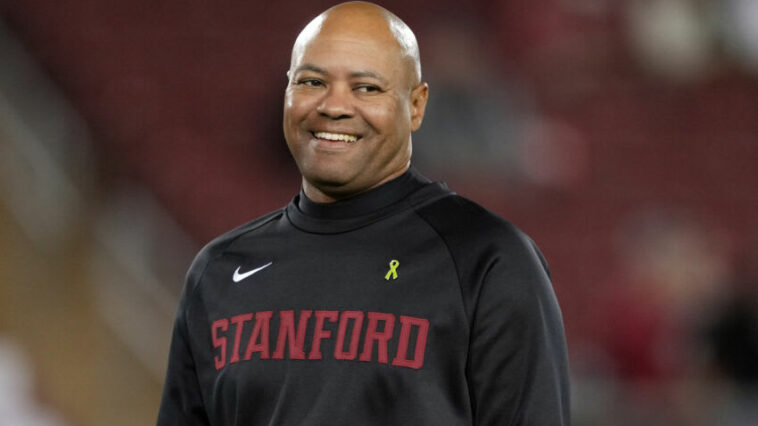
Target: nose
(336, 103)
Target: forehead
(351, 50)
(349, 45)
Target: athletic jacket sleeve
(517, 367)
(182, 402)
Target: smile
(336, 136)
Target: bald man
(353, 99)
(376, 297)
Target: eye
(368, 88)
(310, 82)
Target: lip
(336, 132)
(330, 145)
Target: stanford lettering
(350, 340)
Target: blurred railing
(90, 272)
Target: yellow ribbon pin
(393, 270)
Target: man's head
(354, 97)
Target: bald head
(368, 21)
(353, 99)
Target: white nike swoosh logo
(239, 277)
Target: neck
(323, 195)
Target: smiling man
(376, 297)
(353, 99)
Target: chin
(325, 177)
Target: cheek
(294, 113)
(297, 106)
(287, 110)
(385, 118)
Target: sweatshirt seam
(471, 394)
(194, 289)
(222, 250)
(452, 258)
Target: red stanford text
(246, 336)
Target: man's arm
(517, 367)
(182, 402)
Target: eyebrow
(310, 67)
(355, 74)
(359, 74)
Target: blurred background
(621, 135)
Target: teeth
(336, 136)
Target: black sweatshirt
(405, 305)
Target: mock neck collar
(362, 209)
(365, 202)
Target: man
(375, 297)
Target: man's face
(349, 111)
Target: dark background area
(621, 136)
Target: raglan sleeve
(517, 367)
(182, 402)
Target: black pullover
(404, 305)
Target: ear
(419, 95)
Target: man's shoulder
(460, 217)
(471, 231)
(218, 245)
